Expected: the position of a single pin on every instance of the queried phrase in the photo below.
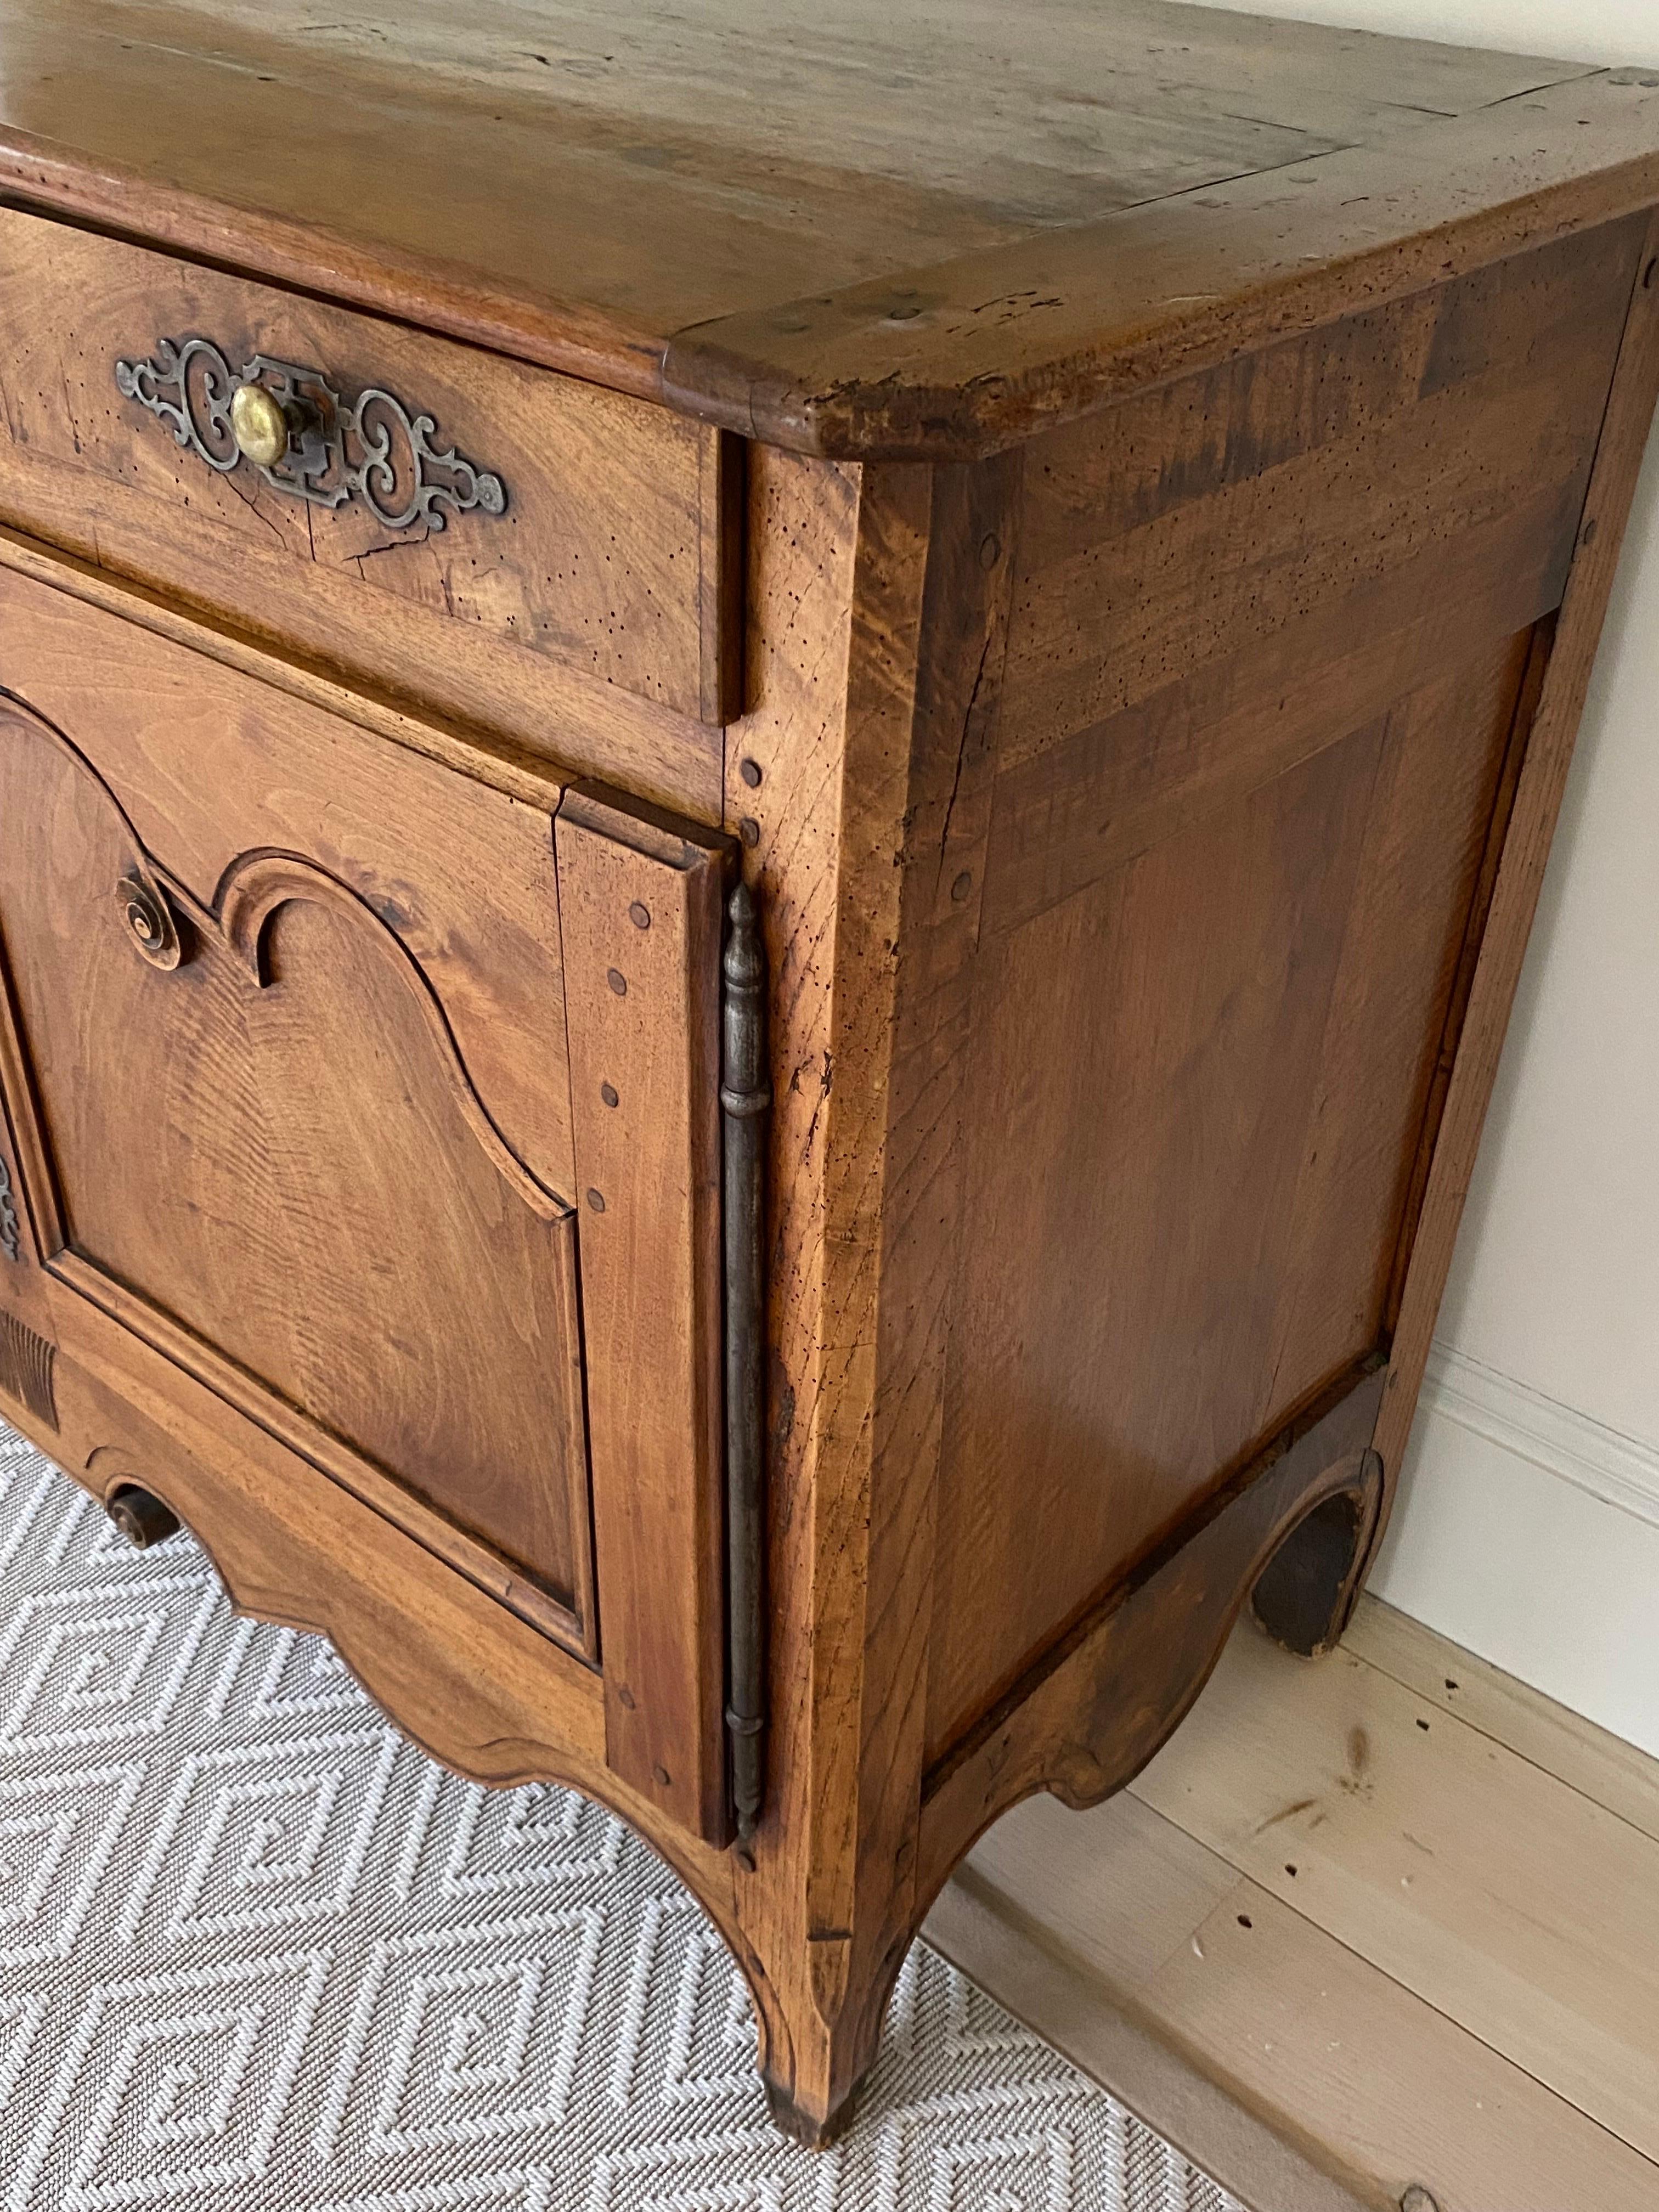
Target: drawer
(384, 1102)
(443, 520)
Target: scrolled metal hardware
(376, 474)
(745, 1103)
(190, 388)
(373, 448)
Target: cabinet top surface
(852, 227)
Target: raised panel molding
(252, 1141)
(261, 883)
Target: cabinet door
(262, 1142)
(291, 1087)
(290, 1041)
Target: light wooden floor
(1384, 1920)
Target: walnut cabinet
(753, 942)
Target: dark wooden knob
(140, 1517)
(150, 921)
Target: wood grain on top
(848, 227)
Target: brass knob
(260, 424)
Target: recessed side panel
(1267, 685)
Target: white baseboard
(1529, 1534)
(1616, 1469)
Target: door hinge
(746, 1109)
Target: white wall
(1530, 1520)
(1529, 1527)
(1613, 30)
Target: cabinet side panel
(1197, 1099)
(1284, 518)
(1270, 630)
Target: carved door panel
(384, 1101)
(265, 1151)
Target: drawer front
(291, 1018)
(429, 490)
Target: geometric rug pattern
(257, 1954)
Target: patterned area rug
(257, 1955)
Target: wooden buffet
(772, 782)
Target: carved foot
(820, 2035)
(803, 2127)
(1306, 1592)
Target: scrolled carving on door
(149, 919)
(250, 896)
